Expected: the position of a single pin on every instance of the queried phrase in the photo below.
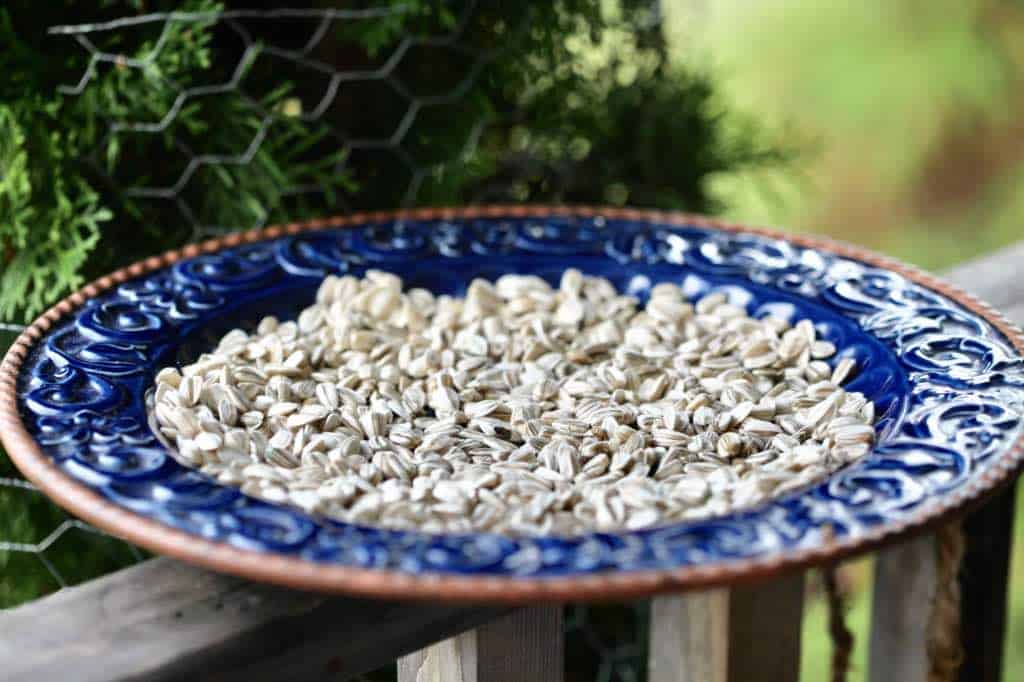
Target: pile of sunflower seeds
(520, 409)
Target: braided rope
(944, 646)
(839, 631)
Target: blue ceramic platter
(946, 376)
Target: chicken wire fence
(257, 34)
(43, 549)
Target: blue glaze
(949, 387)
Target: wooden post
(983, 587)
(689, 637)
(764, 630)
(905, 580)
(524, 646)
(745, 634)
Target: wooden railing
(163, 620)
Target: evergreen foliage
(530, 101)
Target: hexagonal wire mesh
(43, 549)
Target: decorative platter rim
(292, 571)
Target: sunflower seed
(520, 409)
